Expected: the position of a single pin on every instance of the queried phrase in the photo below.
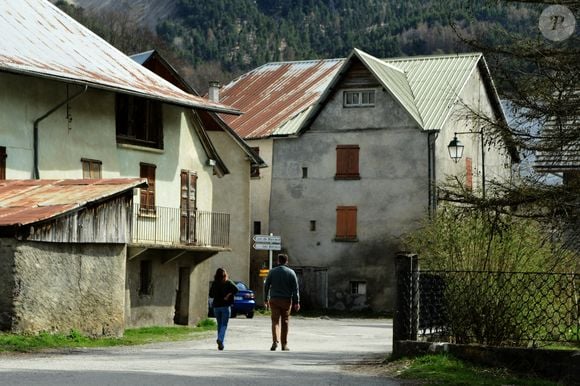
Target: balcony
(173, 226)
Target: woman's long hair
(220, 275)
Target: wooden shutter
(346, 222)
(468, 174)
(347, 159)
(2, 163)
(188, 206)
(91, 168)
(148, 194)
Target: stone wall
(63, 287)
(562, 366)
(7, 282)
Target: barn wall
(63, 287)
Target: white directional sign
(267, 247)
(267, 239)
(267, 242)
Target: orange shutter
(347, 160)
(468, 174)
(346, 218)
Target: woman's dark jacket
(219, 290)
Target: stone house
(82, 109)
(356, 147)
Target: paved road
(319, 348)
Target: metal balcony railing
(173, 226)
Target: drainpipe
(37, 121)
(431, 177)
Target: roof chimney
(214, 91)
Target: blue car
(244, 302)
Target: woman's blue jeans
(222, 316)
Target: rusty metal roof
(274, 93)
(25, 202)
(40, 40)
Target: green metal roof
(435, 82)
(394, 80)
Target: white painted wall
(474, 98)
(91, 134)
(232, 195)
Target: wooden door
(182, 297)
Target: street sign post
(267, 243)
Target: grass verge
(447, 370)
(132, 336)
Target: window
(3, 157)
(359, 98)
(358, 287)
(312, 225)
(147, 195)
(139, 121)
(146, 277)
(347, 162)
(468, 174)
(304, 172)
(91, 168)
(254, 169)
(346, 223)
(257, 227)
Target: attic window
(359, 98)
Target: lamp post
(455, 149)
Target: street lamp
(455, 148)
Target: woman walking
(222, 291)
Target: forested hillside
(222, 38)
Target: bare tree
(537, 71)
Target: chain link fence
(489, 308)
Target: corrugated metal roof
(393, 79)
(436, 82)
(274, 93)
(278, 98)
(40, 40)
(567, 158)
(28, 201)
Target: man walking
(281, 296)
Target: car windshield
(241, 286)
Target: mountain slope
(223, 38)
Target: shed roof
(25, 202)
(38, 39)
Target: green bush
(475, 240)
(501, 285)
